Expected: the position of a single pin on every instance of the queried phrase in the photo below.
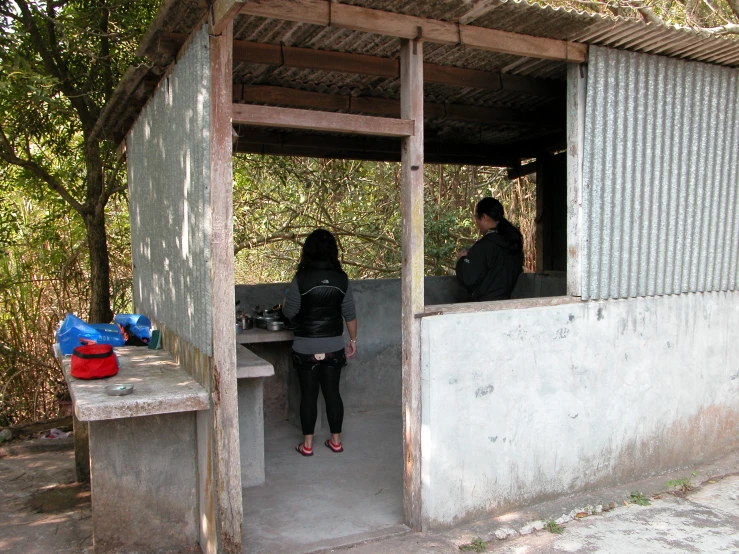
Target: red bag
(94, 361)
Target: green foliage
(683, 485)
(639, 498)
(59, 63)
(477, 545)
(278, 201)
(686, 13)
(554, 527)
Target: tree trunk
(97, 242)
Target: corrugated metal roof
(509, 15)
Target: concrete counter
(161, 386)
(256, 336)
(249, 365)
(142, 452)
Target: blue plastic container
(140, 324)
(73, 332)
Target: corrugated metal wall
(660, 176)
(168, 179)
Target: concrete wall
(520, 405)
(372, 378)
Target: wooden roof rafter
(362, 64)
(346, 16)
(266, 94)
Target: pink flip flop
(334, 447)
(302, 450)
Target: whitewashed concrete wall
(168, 179)
(522, 405)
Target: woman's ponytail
(494, 210)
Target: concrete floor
(42, 510)
(328, 500)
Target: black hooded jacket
(491, 267)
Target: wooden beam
(507, 155)
(266, 116)
(366, 148)
(311, 11)
(519, 170)
(362, 155)
(411, 209)
(264, 94)
(226, 478)
(343, 62)
(361, 64)
(326, 13)
(222, 13)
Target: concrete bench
(142, 451)
(250, 369)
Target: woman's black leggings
(325, 374)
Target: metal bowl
(118, 390)
(274, 325)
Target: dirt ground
(42, 508)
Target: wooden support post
(223, 13)
(225, 439)
(411, 107)
(576, 80)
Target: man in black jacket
(490, 269)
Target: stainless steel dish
(275, 325)
(118, 390)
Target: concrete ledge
(255, 336)
(249, 365)
(161, 386)
(498, 305)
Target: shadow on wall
(373, 377)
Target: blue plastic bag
(140, 325)
(73, 332)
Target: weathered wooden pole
(225, 444)
(411, 107)
(576, 81)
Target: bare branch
(728, 29)
(646, 12)
(110, 187)
(7, 153)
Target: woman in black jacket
(319, 301)
(490, 269)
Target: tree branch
(7, 153)
(734, 5)
(646, 12)
(110, 188)
(54, 63)
(728, 29)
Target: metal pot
(247, 322)
(260, 321)
(275, 325)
